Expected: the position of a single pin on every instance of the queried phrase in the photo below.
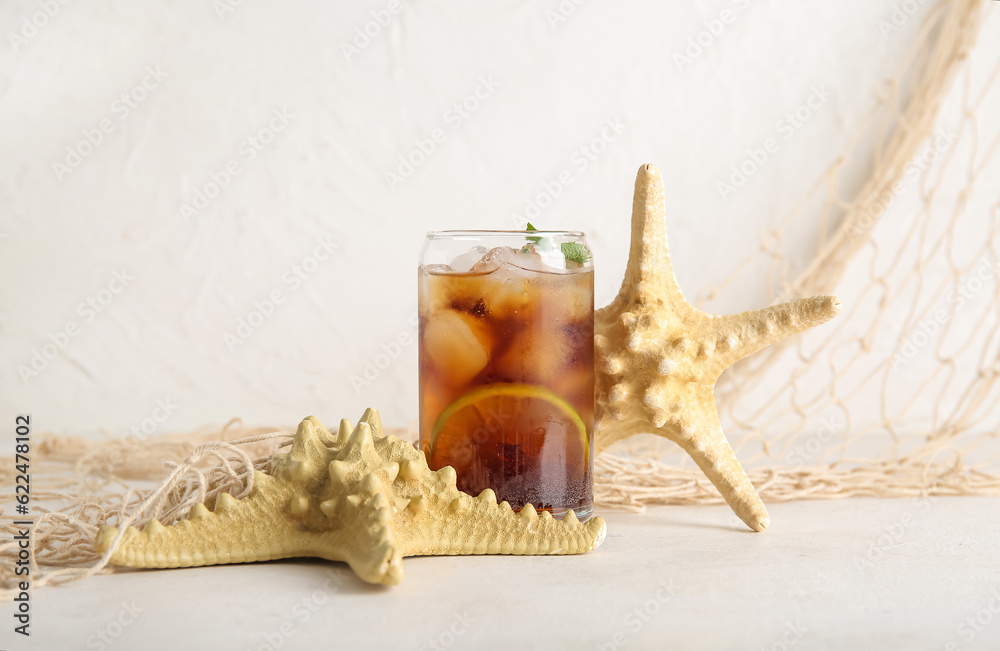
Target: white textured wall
(336, 122)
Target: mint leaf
(576, 252)
(533, 240)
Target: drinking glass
(506, 337)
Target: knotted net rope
(896, 396)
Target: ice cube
(438, 269)
(541, 257)
(571, 299)
(536, 357)
(530, 261)
(551, 259)
(435, 292)
(450, 340)
(509, 291)
(493, 258)
(464, 262)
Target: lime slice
(495, 429)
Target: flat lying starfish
(362, 497)
(657, 357)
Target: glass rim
(437, 235)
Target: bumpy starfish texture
(358, 496)
(657, 357)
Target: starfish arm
(371, 547)
(478, 525)
(253, 530)
(649, 275)
(740, 335)
(703, 440)
(238, 531)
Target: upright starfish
(359, 496)
(657, 357)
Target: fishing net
(893, 398)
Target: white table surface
(853, 574)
